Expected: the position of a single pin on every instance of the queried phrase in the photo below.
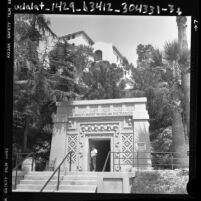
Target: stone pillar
(141, 137)
(58, 144)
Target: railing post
(58, 179)
(32, 162)
(172, 160)
(16, 171)
(70, 162)
(16, 179)
(137, 160)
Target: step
(76, 191)
(53, 191)
(42, 172)
(38, 182)
(41, 177)
(62, 172)
(81, 173)
(35, 187)
(78, 187)
(79, 182)
(32, 190)
(18, 179)
(19, 173)
(79, 177)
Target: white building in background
(107, 52)
(103, 51)
(78, 38)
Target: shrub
(42, 151)
(161, 182)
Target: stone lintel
(104, 101)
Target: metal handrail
(29, 154)
(172, 158)
(58, 169)
(106, 161)
(123, 152)
(20, 163)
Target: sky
(125, 32)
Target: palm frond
(184, 57)
(171, 50)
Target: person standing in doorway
(94, 153)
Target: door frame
(90, 139)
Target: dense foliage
(32, 101)
(103, 81)
(158, 77)
(161, 182)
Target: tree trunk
(179, 145)
(183, 46)
(186, 89)
(182, 38)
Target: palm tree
(171, 50)
(185, 65)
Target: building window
(98, 55)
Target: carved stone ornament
(93, 128)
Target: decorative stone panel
(72, 146)
(127, 148)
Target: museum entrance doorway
(103, 147)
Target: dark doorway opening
(103, 147)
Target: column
(141, 135)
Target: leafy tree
(151, 79)
(67, 64)
(30, 92)
(103, 81)
(144, 53)
(159, 79)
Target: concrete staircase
(20, 176)
(74, 182)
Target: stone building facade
(117, 126)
